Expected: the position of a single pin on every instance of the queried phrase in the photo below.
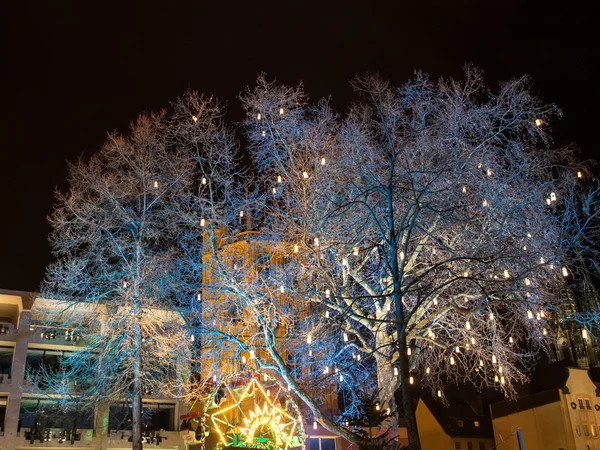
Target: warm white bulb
(411, 380)
(506, 274)
(315, 425)
(452, 360)
(439, 393)
(279, 180)
(565, 272)
(584, 333)
(408, 351)
(527, 282)
(345, 337)
(529, 314)
(316, 242)
(494, 360)
(156, 184)
(538, 122)
(241, 213)
(467, 325)
(323, 161)
(194, 118)
(258, 116)
(579, 175)
(281, 111)
(296, 249)
(428, 370)
(396, 371)
(192, 338)
(485, 203)
(552, 196)
(274, 190)
(282, 289)
(202, 222)
(464, 189)
(489, 172)
(355, 251)
(327, 293)
(305, 174)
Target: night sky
(74, 70)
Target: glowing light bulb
(439, 393)
(467, 325)
(279, 180)
(258, 116)
(428, 370)
(323, 161)
(282, 289)
(327, 314)
(584, 333)
(377, 407)
(435, 302)
(529, 314)
(156, 184)
(194, 118)
(411, 380)
(548, 201)
(510, 340)
(485, 203)
(241, 213)
(491, 316)
(506, 274)
(501, 380)
(552, 196)
(481, 363)
(408, 351)
(203, 180)
(542, 261)
(401, 256)
(489, 172)
(538, 122)
(494, 360)
(464, 189)
(355, 251)
(192, 338)
(565, 272)
(125, 284)
(527, 282)
(452, 360)
(315, 425)
(326, 371)
(396, 371)
(345, 337)
(327, 293)
(341, 378)
(202, 222)
(544, 332)
(579, 175)
(296, 248)
(274, 190)
(281, 111)
(305, 174)
(496, 379)
(252, 354)
(264, 133)
(316, 242)
(243, 360)
(214, 378)
(473, 340)
(538, 316)
(466, 274)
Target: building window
(457, 445)
(588, 404)
(49, 414)
(469, 446)
(593, 430)
(476, 423)
(580, 400)
(482, 446)
(321, 444)
(586, 430)
(461, 423)
(6, 358)
(3, 402)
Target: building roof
(459, 418)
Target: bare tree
(124, 275)
(432, 228)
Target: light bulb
(548, 201)
(156, 184)
(192, 338)
(305, 174)
(396, 371)
(327, 314)
(243, 360)
(452, 360)
(529, 314)
(527, 282)
(315, 425)
(579, 175)
(401, 256)
(341, 378)
(282, 289)
(264, 133)
(565, 272)
(439, 393)
(544, 332)
(258, 116)
(345, 337)
(510, 340)
(428, 370)
(281, 111)
(326, 371)
(489, 172)
(584, 333)
(411, 380)
(496, 378)
(485, 203)
(316, 242)
(355, 251)
(538, 122)
(467, 325)
(323, 161)
(308, 338)
(542, 261)
(481, 363)
(408, 351)
(377, 407)
(203, 180)
(501, 380)
(274, 190)
(202, 222)
(494, 360)
(506, 274)
(491, 316)
(473, 340)
(241, 213)
(464, 189)
(296, 249)
(552, 196)
(327, 293)
(279, 180)
(194, 118)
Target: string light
(194, 118)
(485, 203)
(473, 340)
(315, 425)
(264, 133)
(401, 256)
(411, 380)
(501, 380)
(281, 111)
(538, 122)
(542, 313)
(527, 282)
(156, 184)
(529, 314)
(548, 201)
(584, 333)
(491, 316)
(258, 116)
(243, 360)
(544, 332)
(467, 325)
(494, 360)
(435, 302)
(125, 284)
(355, 251)
(408, 351)
(542, 261)
(252, 354)
(279, 180)
(506, 274)
(565, 272)
(305, 174)
(466, 274)
(192, 338)
(457, 349)
(214, 378)
(496, 378)
(552, 196)
(345, 337)
(327, 314)
(274, 190)
(326, 371)
(323, 161)
(464, 189)
(428, 370)
(489, 172)
(327, 293)
(241, 213)
(202, 222)
(452, 360)
(341, 378)
(481, 363)
(538, 316)
(377, 407)
(296, 249)
(396, 371)
(282, 289)
(439, 393)
(316, 242)
(510, 340)
(579, 175)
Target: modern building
(31, 420)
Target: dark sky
(73, 70)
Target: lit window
(457, 445)
(476, 424)
(593, 430)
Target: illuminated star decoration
(264, 427)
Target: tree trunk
(386, 380)
(136, 413)
(407, 406)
